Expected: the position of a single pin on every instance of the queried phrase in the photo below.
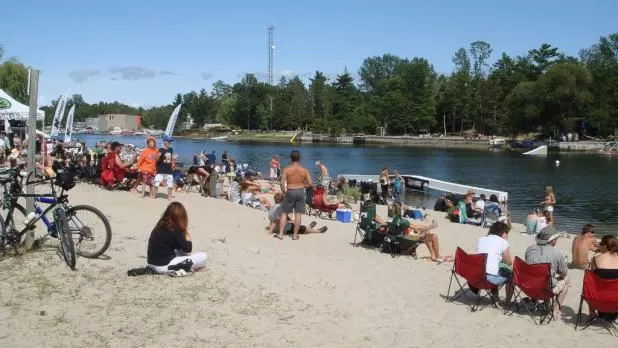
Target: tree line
(542, 91)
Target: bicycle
(66, 225)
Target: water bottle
(29, 218)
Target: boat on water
(221, 138)
(139, 134)
(115, 131)
(127, 132)
(497, 143)
(153, 132)
(610, 148)
(539, 151)
(422, 183)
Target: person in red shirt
(113, 167)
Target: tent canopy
(14, 110)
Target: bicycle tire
(2, 235)
(71, 217)
(67, 248)
(9, 222)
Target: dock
(421, 182)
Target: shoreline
(258, 290)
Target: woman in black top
(170, 242)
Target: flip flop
(295, 238)
(323, 229)
(277, 236)
(312, 224)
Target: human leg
(297, 222)
(199, 260)
(561, 290)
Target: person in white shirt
(480, 204)
(544, 221)
(499, 260)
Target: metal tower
(271, 49)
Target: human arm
(183, 241)
(119, 162)
(284, 180)
(309, 181)
(506, 256)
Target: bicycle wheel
(3, 231)
(91, 240)
(66, 240)
(16, 220)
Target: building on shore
(123, 121)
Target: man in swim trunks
(582, 245)
(324, 178)
(294, 179)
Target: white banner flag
(172, 122)
(59, 115)
(68, 127)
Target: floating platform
(539, 151)
(417, 182)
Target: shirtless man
(294, 179)
(582, 245)
(324, 178)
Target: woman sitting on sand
(544, 221)
(250, 195)
(170, 242)
(499, 260)
(532, 220)
(605, 265)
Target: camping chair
(397, 242)
(491, 214)
(366, 227)
(471, 267)
(601, 295)
(535, 282)
(309, 202)
(318, 204)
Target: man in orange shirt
(147, 166)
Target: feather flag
(59, 115)
(68, 127)
(172, 122)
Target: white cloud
(84, 75)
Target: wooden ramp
(539, 151)
(422, 182)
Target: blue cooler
(344, 215)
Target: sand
(257, 290)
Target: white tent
(14, 110)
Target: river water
(584, 185)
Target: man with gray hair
(544, 251)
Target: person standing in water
(294, 179)
(550, 200)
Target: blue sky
(144, 52)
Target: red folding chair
(471, 267)
(320, 207)
(601, 295)
(535, 282)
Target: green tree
(376, 69)
(14, 79)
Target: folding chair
(491, 214)
(535, 282)
(366, 228)
(320, 207)
(601, 295)
(471, 267)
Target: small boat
(115, 131)
(154, 132)
(539, 151)
(140, 134)
(126, 132)
(610, 148)
(496, 143)
(221, 138)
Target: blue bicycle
(69, 221)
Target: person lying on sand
(170, 242)
(274, 214)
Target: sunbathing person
(274, 214)
(582, 245)
(419, 232)
(250, 195)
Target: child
(275, 212)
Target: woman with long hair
(550, 199)
(170, 243)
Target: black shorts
(294, 201)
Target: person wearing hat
(165, 167)
(544, 251)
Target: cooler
(344, 215)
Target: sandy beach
(319, 291)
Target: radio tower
(271, 49)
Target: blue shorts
(496, 279)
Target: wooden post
(34, 95)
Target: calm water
(584, 184)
